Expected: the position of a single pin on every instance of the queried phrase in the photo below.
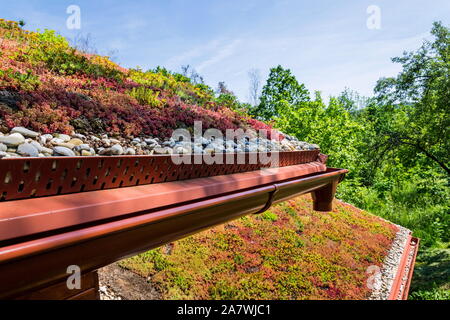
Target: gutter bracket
(269, 201)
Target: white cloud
(223, 53)
(324, 62)
(204, 56)
(189, 55)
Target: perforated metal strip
(23, 178)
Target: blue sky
(326, 43)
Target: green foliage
(281, 90)
(352, 101)
(412, 204)
(54, 50)
(269, 216)
(228, 100)
(433, 294)
(238, 259)
(252, 258)
(330, 126)
(432, 275)
(396, 146)
(174, 83)
(418, 103)
(222, 290)
(25, 81)
(401, 179)
(147, 262)
(146, 96)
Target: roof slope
(289, 252)
(48, 86)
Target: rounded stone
(64, 137)
(56, 141)
(116, 150)
(66, 145)
(103, 151)
(37, 145)
(181, 150)
(79, 136)
(28, 150)
(81, 147)
(130, 151)
(45, 138)
(76, 142)
(198, 150)
(63, 151)
(159, 150)
(25, 132)
(46, 151)
(13, 139)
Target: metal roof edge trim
(405, 271)
(95, 246)
(31, 216)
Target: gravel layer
(383, 284)
(22, 142)
(407, 269)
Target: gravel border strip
(383, 283)
(407, 269)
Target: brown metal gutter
(402, 281)
(41, 237)
(32, 216)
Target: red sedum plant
(48, 86)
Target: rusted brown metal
(25, 218)
(106, 226)
(323, 197)
(402, 280)
(89, 289)
(37, 177)
(288, 189)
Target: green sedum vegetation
(290, 252)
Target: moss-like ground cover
(289, 252)
(48, 86)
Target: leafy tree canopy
(282, 89)
(416, 103)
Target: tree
(255, 86)
(191, 73)
(352, 101)
(330, 126)
(84, 43)
(416, 102)
(225, 97)
(222, 88)
(282, 89)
